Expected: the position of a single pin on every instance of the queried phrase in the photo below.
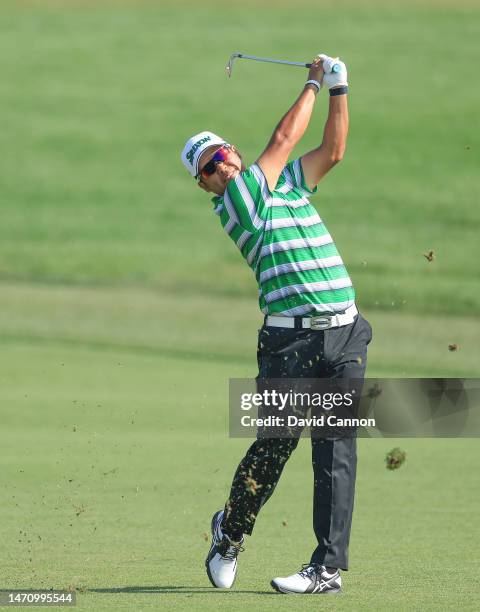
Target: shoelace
(232, 549)
(308, 569)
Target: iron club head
(230, 63)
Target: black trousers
(339, 352)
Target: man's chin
(232, 175)
(229, 177)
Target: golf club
(234, 56)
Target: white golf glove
(333, 79)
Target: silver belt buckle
(322, 322)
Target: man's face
(225, 171)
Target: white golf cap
(195, 146)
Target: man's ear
(202, 185)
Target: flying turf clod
(395, 458)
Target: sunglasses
(210, 167)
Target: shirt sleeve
(293, 174)
(246, 199)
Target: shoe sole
(327, 592)
(210, 577)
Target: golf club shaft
(277, 61)
(273, 61)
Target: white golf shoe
(221, 562)
(312, 578)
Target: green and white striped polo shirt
(296, 263)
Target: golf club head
(230, 63)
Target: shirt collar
(218, 204)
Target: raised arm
(318, 162)
(290, 129)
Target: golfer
(312, 328)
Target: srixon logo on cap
(191, 153)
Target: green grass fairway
(115, 454)
(108, 486)
(124, 309)
(98, 100)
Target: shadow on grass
(175, 589)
